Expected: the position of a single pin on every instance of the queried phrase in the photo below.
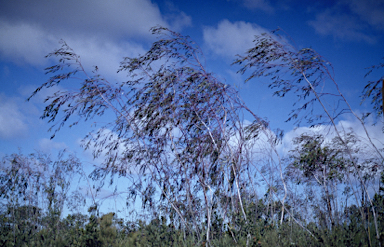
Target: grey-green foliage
(321, 165)
(172, 130)
(310, 77)
(108, 230)
(289, 70)
(171, 136)
(34, 191)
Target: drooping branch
(173, 123)
(301, 72)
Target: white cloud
(351, 20)
(105, 54)
(30, 44)
(370, 11)
(375, 133)
(180, 20)
(101, 32)
(287, 143)
(116, 19)
(259, 4)
(230, 39)
(341, 26)
(47, 145)
(263, 5)
(25, 43)
(235, 78)
(13, 122)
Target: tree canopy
(178, 135)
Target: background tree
(321, 164)
(34, 191)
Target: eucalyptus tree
(176, 133)
(34, 192)
(310, 77)
(315, 162)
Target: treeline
(24, 221)
(28, 226)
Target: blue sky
(349, 33)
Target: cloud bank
(100, 32)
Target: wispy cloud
(25, 43)
(351, 20)
(370, 11)
(230, 39)
(13, 121)
(46, 145)
(102, 33)
(115, 19)
(259, 4)
(344, 126)
(341, 26)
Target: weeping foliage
(174, 131)
(177, 136)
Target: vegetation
(204, 176)
(26, 225)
